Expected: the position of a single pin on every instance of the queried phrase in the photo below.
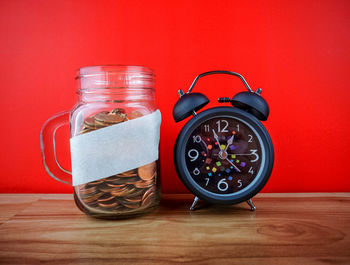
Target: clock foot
(195, 201)
(251, 204)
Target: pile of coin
(128, 191)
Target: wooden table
(285, 229)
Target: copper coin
(135, 114)
(144, 184)
(122, 192)
(111, 178)
(101, 124)
(140, 184)
(106, 187)
(108, 205)
(96, 182)
(129, 203)
(136, 199)
(88, 199)
(85, 130)
(136, 193)
(117, 111)
(108, 118)
(88, 195)
(148, 196)
(132, 180)
(93, 204)
(116, 186)
(106, 198)
(146, 172)
(90, 122)
(125, 180)
(130, 173)
(89, 190)
(132, 205)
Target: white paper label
(115, 149)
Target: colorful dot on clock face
(210, 147)
(227, 170)
(209, 174)
(243, 164)
(218, 163)
(230, 178)
(207, 168)
(214, 169)
(232, 147)
(233, 156)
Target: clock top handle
(249, 101)
(220, 72)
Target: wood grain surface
(285, 229)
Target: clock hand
(216, 138)
(233, 165)
(241, 154)
(229, 142)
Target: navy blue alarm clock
(223, 155)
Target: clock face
(224, 155)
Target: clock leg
(195, 201)
(251, 204)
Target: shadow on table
(182, 203)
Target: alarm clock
(223, 155)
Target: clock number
(251, 171)
(250, 138)
(206, 128)
(237, 127)
(240, 183)
(207, 179)
(225, 127)
(253, 152)
(196, 171)
(193, 154)
(222, 185)
(197, 139)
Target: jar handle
(48, 147)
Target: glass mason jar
(109, 96)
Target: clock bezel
(259, 181)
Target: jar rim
(113, 68)
(115, 76)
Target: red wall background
(297, 51)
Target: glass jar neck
(115, 83)
(115, 95)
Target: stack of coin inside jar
(127, 192)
